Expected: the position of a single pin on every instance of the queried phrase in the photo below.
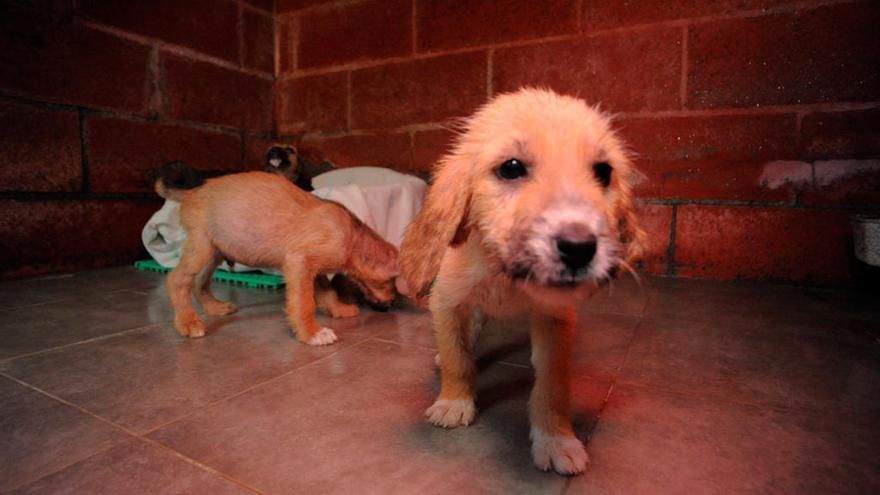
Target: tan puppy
(530, 212)
(262, 219)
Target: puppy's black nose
(576, 253)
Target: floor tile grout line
(98, 338)
(31, 305)
(131, 434)
(69, 464)
(200, 465)
(70, 404)
(128, 433)
(404, 344)
(626, 357)
(81, 342)
(213, 403)
(703, 396)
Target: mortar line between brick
(243, 165)
(293, 53)
(254, 8)
(276, 47)
(239, 28)
(682, 95)
(125, 115)
(579, 16)
(670, 249)
(413, 28)
(86, 186)
(176, 50)
(319, 6)
(675, 23)
(490, 73)
(348, 101)
(798, 126)
(154, 70)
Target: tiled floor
(680, 387)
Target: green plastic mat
(254, 280)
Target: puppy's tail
(172, 179)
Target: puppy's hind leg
(554, 444)
(196, 254)
(328, 300)
(455, 404)
(210, 304)
(300, 306)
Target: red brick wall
(756, 122)
(95, 93)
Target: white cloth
(385, 200)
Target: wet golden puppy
(531, 212)
(262, 219)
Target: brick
(733, 157)
(259, 41)
(604, 15)
(780, 244)
(267, 5)
(313, 103)
(656, 220)
(429, 90)
(825, 54)
(369, 30)
(285, 6)
(255, 152)
(363, 150)
(204, 92)
(429, 147)
(39, 149)
(637, 70)
(210, 28)
(445, 24)
(87, 234)
(123, 153)
(288, 32)
(52, 60)
(853, 182)
(847, 134)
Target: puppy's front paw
(192, 328)
(325, 336)
(451, 413)
(563, 455)
(218, 308)
(345, 311)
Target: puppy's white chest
(498, 298)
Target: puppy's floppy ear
(441, 222)
(631, 234)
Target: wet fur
(261, 219)
(476, 233)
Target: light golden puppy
(262, 219)
(531, 211)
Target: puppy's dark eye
(602, 171)
(512, 169)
